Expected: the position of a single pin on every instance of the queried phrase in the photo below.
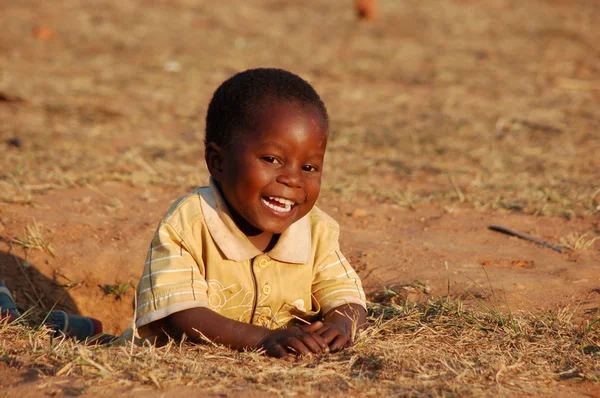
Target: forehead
(281, 120)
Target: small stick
(577, 84)
(300, 319)
(457, 189)
(512, 232)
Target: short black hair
(240, 98)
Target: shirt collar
(293, 246)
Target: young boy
(250, 262)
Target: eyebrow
(283, 148)
(272, 143)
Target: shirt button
(266, 289)
(263, 263)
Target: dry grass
(576, 242)
(33, 239)
(439, 348)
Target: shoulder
(319, 219)
(187, 210)
(324, 229)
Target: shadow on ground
(31, 289)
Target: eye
(270, 159)
(309, 168)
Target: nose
(290, 176)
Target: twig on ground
(577, 84)
(512, 232)
(457, 189)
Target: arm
(338, 290)
(341, 324)
(198, 322)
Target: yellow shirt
(200, 258)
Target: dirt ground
(447, 117)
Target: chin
(276, 230)
(276, 225)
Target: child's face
(271, 175)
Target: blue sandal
(8, 308)
(78, 327)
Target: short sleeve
(172, 281)
(336, 283)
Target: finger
(313, 327)
(289, 358)
(324, 329)
(298, 347)
(315, 343)
(338, 343)
(321, 341)
(350, 341)
(278, 351)
(317, 336)
(330, 335)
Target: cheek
(313, 188)
(253, 178)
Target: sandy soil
(446, 118)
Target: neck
(264, 241)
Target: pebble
(357, 213)
(15, 142)
(172, 66)
(366, 9)
(44, 33)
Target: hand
(335, 336)
(340, 325)
(302, 340)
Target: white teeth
(281, 200)
(287, 205)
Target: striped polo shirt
(200, 258)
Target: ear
(213, 155)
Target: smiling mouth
(280, 205)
